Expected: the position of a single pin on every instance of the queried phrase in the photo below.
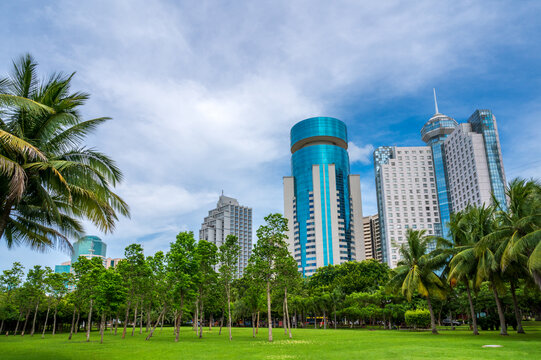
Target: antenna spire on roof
(435, 101)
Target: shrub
(417, 318)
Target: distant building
(88, 247)
(322, 200)
(229, 218)
(372, 238)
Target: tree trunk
(284, 322)
(229, 312)
(77, 322)
(179, 318)
(211, 319)
(45, 326)
(141, 319)
(148, 317)
(5, 215)
(335, 317)
(287, 315)
(34, 321)
(257, 324)
(221, 322)
(2, 326)
(518, 314)
(126, 319)
(253, 325)
(324, 320)
(18, 321)
(54, 318)
(157, 322)
(134, 319)
(201, 315)
(196, 318)
(89, 321)
(269, 316)
(102, 323)
(503, 326)
(72, 323)
(432, 319)
(116, 322)
(472, 310)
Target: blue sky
(203, 94)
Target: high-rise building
(322, 200)
(419, 187)
(407, 196)
(229, 218)
(372, 237)
(88, 247)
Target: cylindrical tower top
(437, 128)
(318, 131)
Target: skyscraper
(322, 201)
(88, 247)
(229, 218)
(419, 187)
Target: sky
(203, 94)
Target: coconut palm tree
(415, 271)
(520, 226)
(48, 180)
(462, 265)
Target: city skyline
(209, 116)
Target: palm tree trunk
(518, 315)
(472, 310)
(156, 324)
(102, 323)
(432, 319)
(134, 319)
(34, 321)
(503, 330)
(45, 326)
(89, 321)
(126, 319)
(5, 215)
(269, 316)
(54, 318)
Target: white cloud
(362, 154)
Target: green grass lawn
(306, 344)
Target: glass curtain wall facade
(434, 133)
(317, 197)
(89, 246)
(484, 122)
(381, 157)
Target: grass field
(306, 344)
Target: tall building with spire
(419, 187)
(322, 200)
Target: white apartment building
(229, 218)
(407, 196)
(467, 168)
(372, 237)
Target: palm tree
(520, 226)
(462, 267)
(415, 271)
(49, 181)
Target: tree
(415, 272)
(36, 282)
(48, 180)
(110, 294)
(181, 271)
(88, 273)
(206, 256)
(229, 258)
(269, 247)
(10, 280)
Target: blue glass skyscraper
(321, 198)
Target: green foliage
(419, 318)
